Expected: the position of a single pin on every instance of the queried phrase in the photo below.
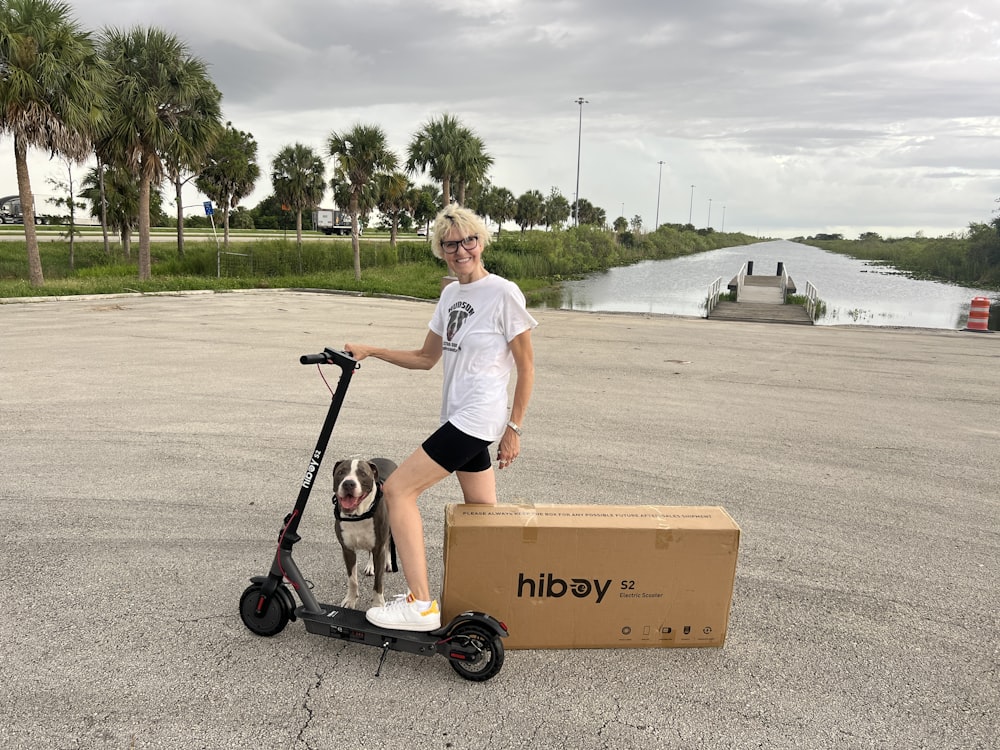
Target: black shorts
(453, 450)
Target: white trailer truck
(10, 211)
(332, 221)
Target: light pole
(723, 230)
(659, 183)
(579, 141)
(709, 224)
(691, 207)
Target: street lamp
(691, 207)
(709, 224)
(723, 230)
(579, 140)
(659, 183)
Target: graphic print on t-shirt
(458, 316)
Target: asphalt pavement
(151, 446)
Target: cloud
(796, 115)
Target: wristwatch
(515, 428)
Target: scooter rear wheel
(490, 648)
(274, 617)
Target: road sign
(208, 208)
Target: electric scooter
(471, 641)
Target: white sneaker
(402, 613)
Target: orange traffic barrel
(979, 314)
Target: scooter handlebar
(329, 357)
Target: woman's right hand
(358, 351)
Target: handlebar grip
(329, 357)
(314, 359)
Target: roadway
(152, 445)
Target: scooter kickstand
(381, 660)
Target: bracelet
(515, 428)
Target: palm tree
(229, 172)
(424, 202)
(298, 178)
(198, 129)
(436, 149)
(394, 194)
(362, 154)
(159, 86)
(114, 198)
(529, 210)
(52, 93)
(557, 209)
(472, 162)
(502, 206)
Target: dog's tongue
(349, 503)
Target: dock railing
(740, 279)
(714, 291)
(812, 296)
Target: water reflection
(855, 292)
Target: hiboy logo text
(548, 586)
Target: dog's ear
(337, 466)
(374, 470)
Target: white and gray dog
(363, 522)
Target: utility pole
(659, 183)
(579, 140)
(691, 207)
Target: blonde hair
(468, 223)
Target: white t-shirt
(476, 322)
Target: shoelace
(397, 600)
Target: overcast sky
(787, 116)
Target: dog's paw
(351, 602)
(370, 567)
(378, 600)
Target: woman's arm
(423, 358)
(524, 361)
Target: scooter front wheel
(486, 645)
(274, 616)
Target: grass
(270, 263)
(537, 261)
(800, 299)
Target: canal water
(855, 292)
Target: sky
(777, 118)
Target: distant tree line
(971, 258)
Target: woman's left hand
(510, 448)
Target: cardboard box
(593, 576)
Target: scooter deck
(352, 625)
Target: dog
(362, 522)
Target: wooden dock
(761, 299)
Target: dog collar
(364, 516)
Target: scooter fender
(480, 618)
(281, 592)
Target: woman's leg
(401, 490)
(479, 487)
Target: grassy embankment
(536, 260)
(969, 261)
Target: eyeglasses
(469, 243)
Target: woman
(482, 330)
